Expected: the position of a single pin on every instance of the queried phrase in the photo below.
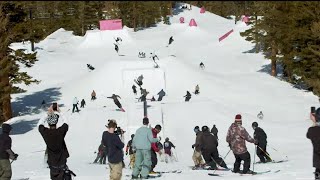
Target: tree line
(287, 33)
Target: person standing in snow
(187, 96)
(6, 153)
(209, 149)
(142, 145)
(116, 101)
(102, 154)
(237, 137)
(115, 153)
(154, 148)
(167, 145)
(170, 40)
(93, 96)
(197, 156)
(56, 145)
(261, 137)
(82, 103)
(214, 131)
(314, 135)
(161, 95)
(75, 104)
(197, 90)
(134, 88)
(131, 152)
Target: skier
(197, 156)
(155, 149)
(131, 152)
(82, 103)
(260, 115)
(209, 147)
(93, 95)
(261, 137)
(116, 101)
(170, 40)
(6, 153)
(142, 144)
(161, 94)
(139, 80)
(56, 145)
(314, 135)
(197, 90)
(116, 48)
(167, 149)
(134, 89)
(236, 137)
(101, 155)
(112, 141)
(202, 65)
(187, 96)
(75, 104)
(214, 131)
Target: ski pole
(264, 152)
(254, 158)
(278, 151)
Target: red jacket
(154, 146)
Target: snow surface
(233, 82)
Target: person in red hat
(236, 137)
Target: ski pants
(82, 106)
(317, 174)
(93, 97)
(197, 158)
(160, 98)
(154, 159)
(196, 92)
(118, 104)
(212, 158)
(245, 157)
(116, 170)
(187, 99)
(263, 154)
(5, 169)
(132, 160)
(57, 173)
(142, 164)
(75, 106)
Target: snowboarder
(161, 94)
(214, 131)
(197, 90)
(116, 101)
(56, 145)
(101, 155)
(142, 144)
(75, 104)
(154, 148)
(115, 146)
(202, 65)
(261, 137)
(90, 67)
(93, 95)
(167, 145)
(131, 152)
(134, 89)
(197, 156)
(209, 147)
(260, 115)
(236, 137)
(187, 96)
(116, 48)
(139, 80)
(170, 40)
(6, 153)
(82, 103)
(314, 135)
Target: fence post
(145, 112)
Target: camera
(55, 106)
(313, 109)
(119, 131)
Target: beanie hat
(52, 119)
(158, 127)
(254, 124)
(238, 118)
(145, 121)
(6, 128)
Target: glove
(126, 153)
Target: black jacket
(260, 136)
(56, 146)
(5, 144)
(314, 135)
(114, 145)
(168, 145)
(209, 142)
(214, 130)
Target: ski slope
(233, 82)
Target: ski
(213, 174)
(173, 171)
(280, 161)
(256, 173)
(209, 169)
(22, 179)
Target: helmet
(167, 139)
(132, 135)
(317, 115)
(254, 124)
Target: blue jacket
(114, 145)
(143, 138)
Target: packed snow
(233, 81)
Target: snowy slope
(233, 82)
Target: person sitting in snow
(197, 90)
(82, 103)
(152, 99)
(90, 67)
(187, 96)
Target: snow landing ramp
(153, 80)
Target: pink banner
(192, 23)
(113, 24)
(225, 35)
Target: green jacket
(143, 138)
